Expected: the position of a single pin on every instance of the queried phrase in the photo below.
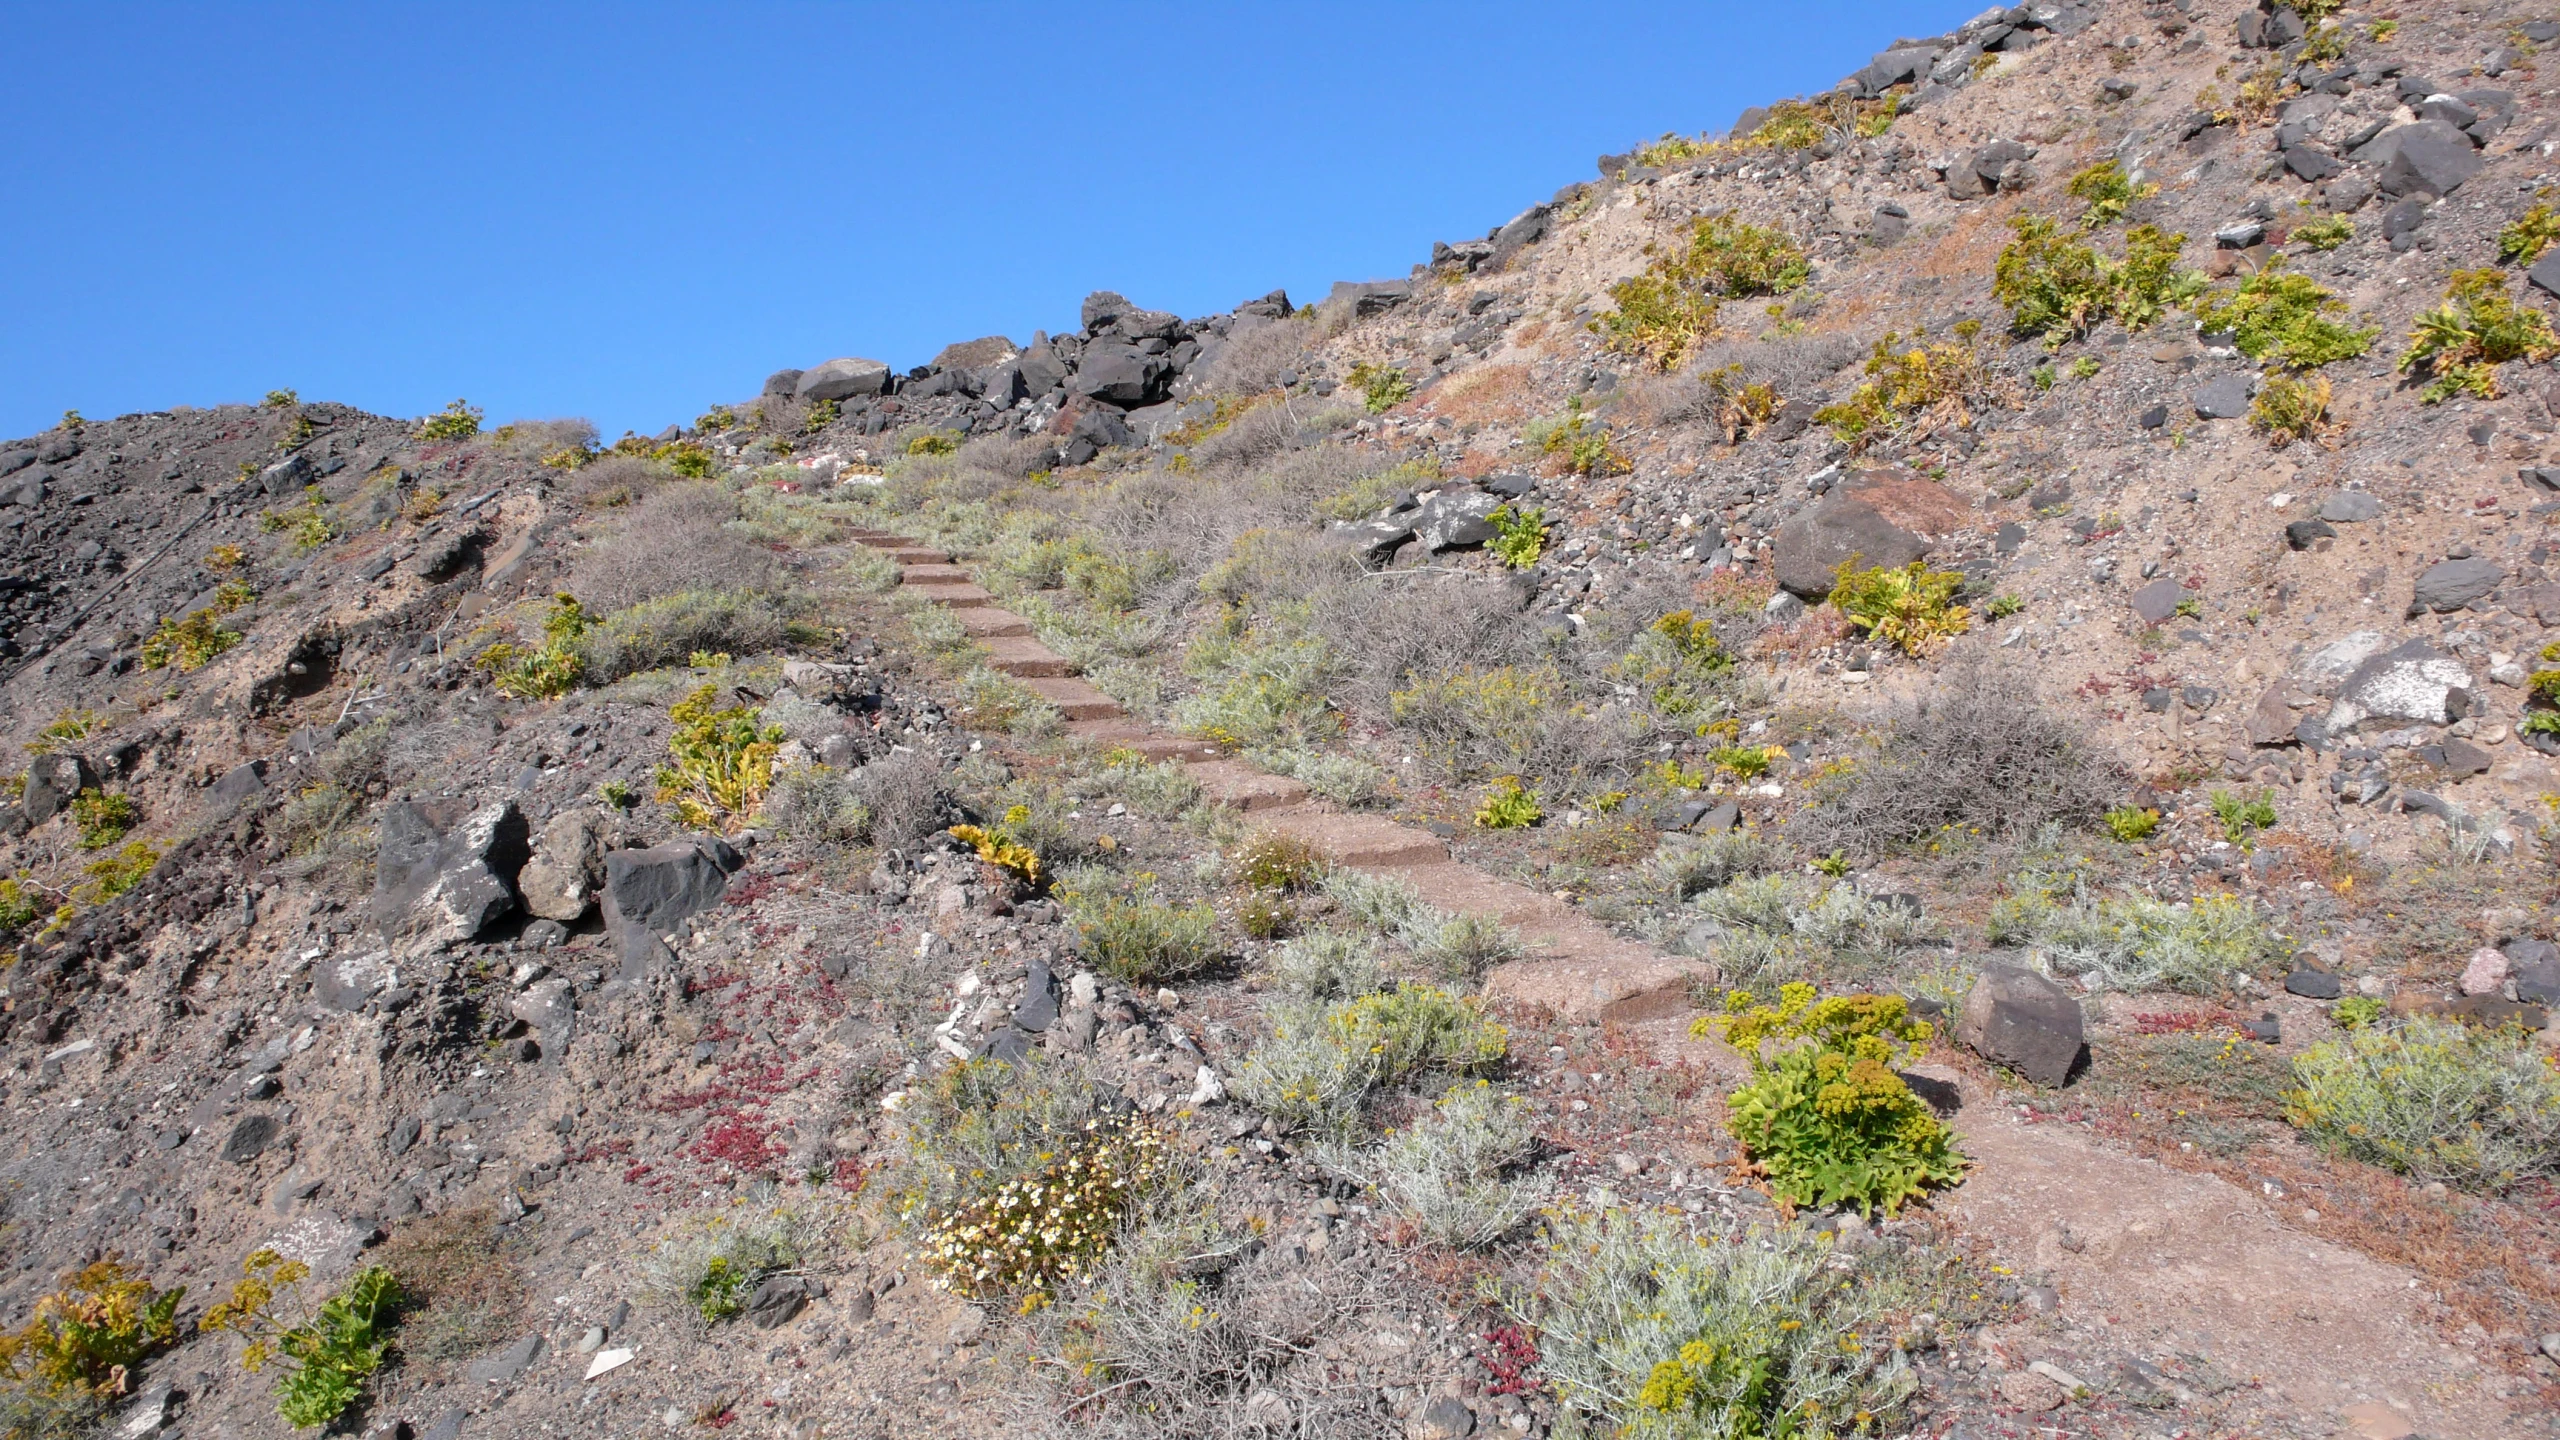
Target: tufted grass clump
(1825, 1117)
(2283, 319)
(2459, 345)
(1687, 865)
(1911, 607)
(2434, 1099)
(1650, 1329)
(1346, 780)
(1328, 965)
(1455, 1173)
(1141, 940)
(1320, 1064)
(713, 1266)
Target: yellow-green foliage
(1911, 608)
(457, 421)
(2282, 318)
(1503, 705)
(1260, 684)
(1672, 305)
(1679, 665)
(1382, 387)
(308, 523)
(2436, 1099)
(2131, 824)
(2479, 327)
(1673, 148)
(1508, 805)
(103, 818)
(821, 415)
(2061, 288)
(934, 442)
(2109, 193)
(1742, 407)
(722, 760)
(1320, 1064)
(1519, 535)
(1825, 1117)
(2243, 817)
(1580, 438)
(1281, 863)
(2326, 233)
(71, 725)
(1802, 125)
(2524, 241)
(1140, 939)
(550, 669)
(330, 1354)
(84, 1340)
(1931, 386)
(1745, 762)
(2288, 409)
(1027, 1233)
(1001, 845)
(189, 643)
(112, 875)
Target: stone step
(918, 573)
(882, 540)
(1074, 698)
(1238, 786)
(1362, 842)
(1600, 977)
(988, 623)
(956, 596)
(919, 555)
(1122, 733)
(1025, 659)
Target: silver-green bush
(2435, 1099)
(1450, 1171)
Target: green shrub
(812, 802)
(1463, 946)
(1028, 1233)
(2242, 817)
(1679, 665)
(331, 1354)
(1650, 1330)
(1142, 940)
(1508, 805)
(1261, 686)
(994, 700)
(871, 570)
(1580, 438)
(1280, 862)
(1744, 762)
(713, 1266)
(2287, 409)
(2326, 233)
(457, 421)
(112, 875)
(1320, 1064)
(933, 442)
(720, 760)
(80, 1348)
(1671, 306)
(1931, 385)
(1382, 388)
(1687, 865)
(1162, 789)
(2132, 824)
(1519, 535)
(1378, 904)
(548, 670)
(822, 415)
(2282, 319)
(2357, 1011)
(2435, 1099)
(2460, 344)
(1911, 608)
(2523, 242)
(2061, 288)
(1006, 845)
(1826, 1118)
(1450, 1172)
(103, 818)
(1743, 407)
(1327, 965)
(2134, 942)
(191, 642)
(2109, 191)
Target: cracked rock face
(2411, 682)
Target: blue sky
(632, 212)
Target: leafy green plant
(1508, 805)
(2523, 242)
(2003, 606)
(112, 875)
(103, 818)
(79, 1349)
(1932, 385)
(2287, 409)
(934, 442)
(1580, 438)
(2460, 344)
(1672, 305)
(821, 415)
(1744, 762)
(544, 671)
(1825, 1117)
(2243, 816)
(1519, 535)
(2326, 233)
(2282, 318)
(1382, 387)
(1003, 846)
(331, 1354)
(1142, 940)
(712, 1266)
(2436, 1099)
(2061, 288)
(308, 522)
(2109, 191)
(2084, 368)
(1280, 863)
(191, 643)
(457, 421)
(721, 760)
(2132, 824)
(1910, 607)
(2354, 1012)
(1320, 1064)
(1743, 407)
(1031, 1232)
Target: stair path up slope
(1573, 967)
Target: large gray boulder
(2412, 682)
(2430, 157)
(842, 379)
(1120, 375)
(1882, 517)
(1894, 67)
(1455, 519)
(2452, 584)
(2017, 1018)
(51, 782)
(647, 893)
(432, 884)
(2224, 397)
(975, 354)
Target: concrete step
(988, 623)
(1238, 786)
(1121, 733)
(1362, 842)
(956, 596)
(1026, 659)
(1074, 698)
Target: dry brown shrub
(615, 480)
(463, 1276)
(1008, 455)
(1255, 354)
(673, 540)
(1486, 395)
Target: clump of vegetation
(721, 760)
(934, 442)
(2243, 816)
(1508, 805)
(713, 1267)
(2133, 942)
(2287, 409)
(1911, 608)
(550, 669)
(1580, 438)
(1680, 666)
(113, 875)
(2061, 288)
(1140, 939)
(2523, 242)
(670, 629)
(1451, 1173)
(1666, 310)
(2460, 344)
(77, 1352)
(1646, 1328)
(457, 421)
(1688, 865)
(1743, 407)
(2326, 233)
(1519, 535)
(2109, 191)
(2282, 318)
(2435, 1099)
(1382, 387)
(2355, 1012)
(70, 726)
(1320, 1064)
(308, 522)
(820, 416)
(330, 1354)
(103, 818)
(1280, 863)
(1825, 1117)
(1001, 845)
(1933, 386)
(2132, 824)
(191, 643)
(1345, 780)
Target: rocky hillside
(1883, 773)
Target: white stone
(609, 1360)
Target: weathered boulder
(647, 893)
(560, 881)
(2410, 682)
(1455, 519)
(1374, 541)
(435, 884)
(2431, 157)
(2020, 1019)
(1120, 375)
(1880, 517)
(2224, 397)
(51, 782)
(342, 984)
(2452, 584)
(2157, 601)
(976, 354)
(842, 379)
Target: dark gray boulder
(1375, 541)
(842, 379)
(647, 893)
(240, 782)
(26, 490)
(433, 884)
(2431, 157)
(1455, 519)
(1043, 369)
(1883, 518)
(2020, 1019)
(2157, 601)
(1121, 375)
(781, 382)
(2451, 584)
(1101, 308)
(51, 782)
(250, 1138)
(2224, 397)
(2350, 507)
